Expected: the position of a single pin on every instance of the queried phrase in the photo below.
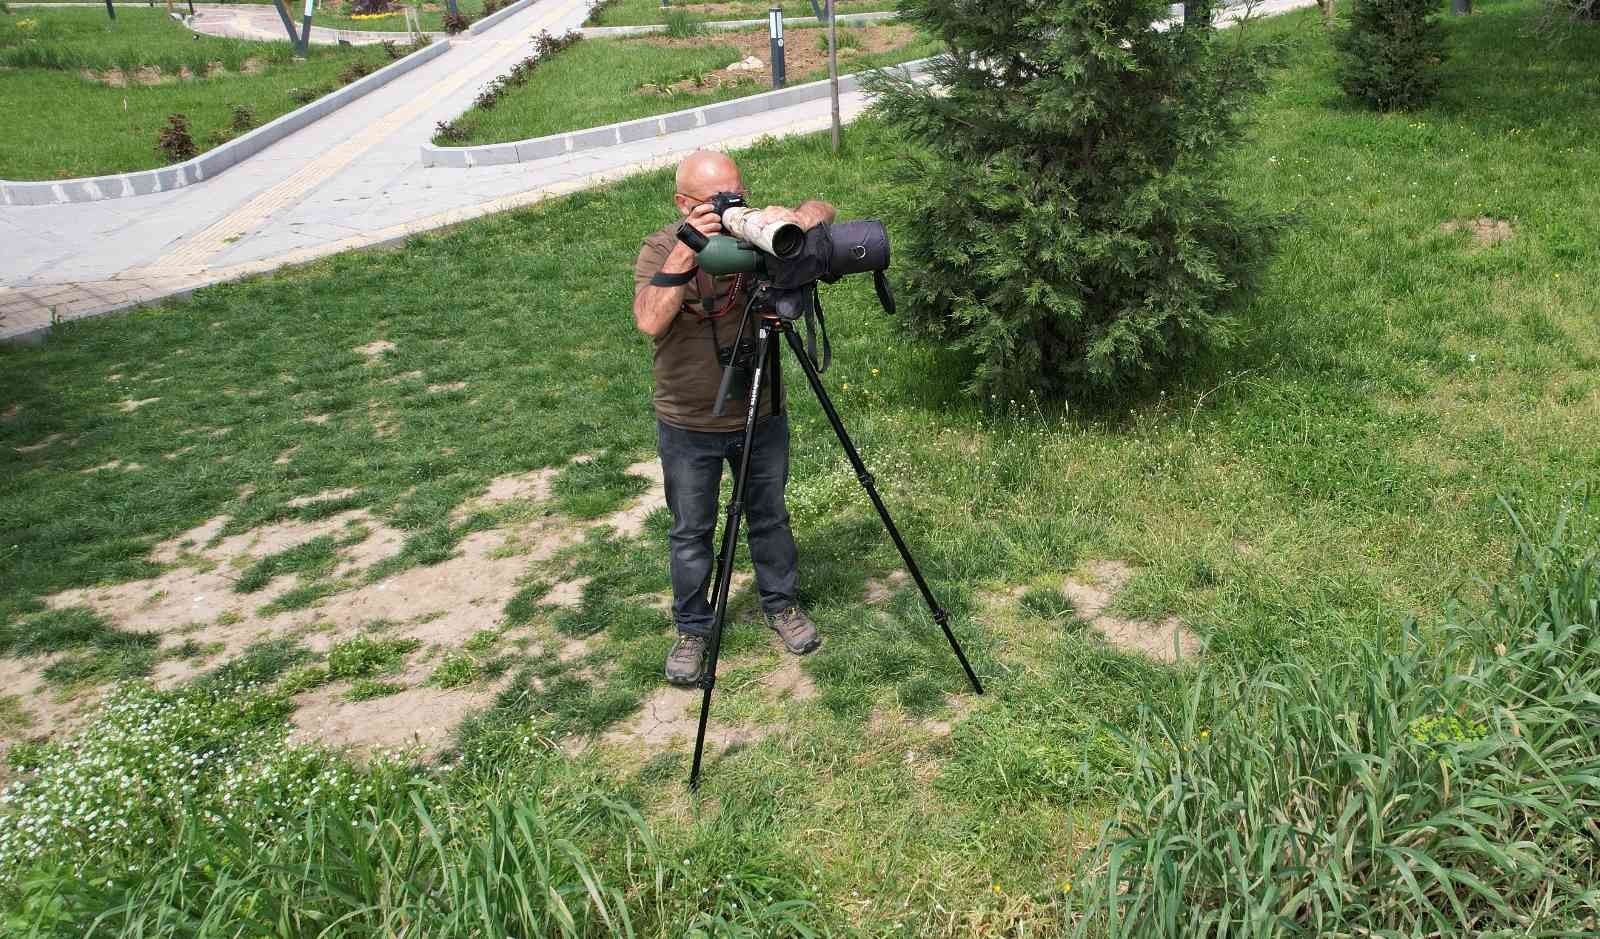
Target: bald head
(703, 174)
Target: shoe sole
(685, 682)
(805, 650)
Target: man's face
(699, 189)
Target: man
(693, 318)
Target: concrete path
(255, 21)
(351, 180)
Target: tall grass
(1422, 787)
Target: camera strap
(663, 279)
(814, 318)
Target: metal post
(451, 6)
(111, 9)
(288, 23)
(305, 30)
(833, 69)
(817, 9)
(775, 33)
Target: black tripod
(769, 328)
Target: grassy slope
(62, 125)
(597, 82)
(1339, 471)
(649, 12)
(432, 20)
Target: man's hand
(705, 221)
(774, 214)
(809, 215)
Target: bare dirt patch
(318, 419)
(46, 714)
(446, 386)
(130, 405)
(880, 590)
(1485, 231)
(375, 350)
(112, 466)
(1166, 641)
(629, 522)
(326, 495)
(195, 600)
(801, 52)
(36, 447)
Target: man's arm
(654, 308)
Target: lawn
(1290, 501)
(337, 14)
(602, 81)
(650, 12)
(90, 96)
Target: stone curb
(494, 19)
(845, 19)
(644, 128)
(212, 162)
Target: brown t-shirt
(686, 370)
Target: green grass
(364, 656)
(1292, 500)
(64, 125)
(603, 81)
(335, 17)
(649, 12)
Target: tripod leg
(768, 340)
(940, 615)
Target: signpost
(775, 33)
(111, 9)
(305, 29)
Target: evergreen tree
(1390, 53)
(1067, 223)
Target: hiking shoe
(687, 660)
(795, 628)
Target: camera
(780, 239)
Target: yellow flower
(997, 890)
(1204, 734)
(846, 386)
(874, 371)
(1066, 886)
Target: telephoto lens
(782, 240)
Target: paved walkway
(256, 21)
(351, 180)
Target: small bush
(370, 7)
(243, 118)
(455, 23)
(680, 25)
(356, 71)
(491, 7)
(174, 142)
(307, 95)
(597, 9)
(1389, 54)
(848, 39)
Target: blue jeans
(691, 464)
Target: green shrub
(680, 25)
(1390, 51)
(1424, 787)
(455, 670)
(1063, 220)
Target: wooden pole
(833, 69)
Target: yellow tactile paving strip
(212, 240)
